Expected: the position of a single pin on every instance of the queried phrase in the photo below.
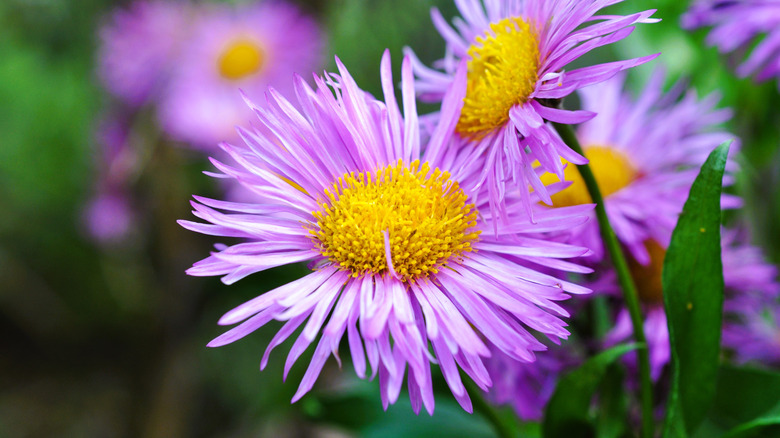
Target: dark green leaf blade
(566, 414)
(757, 427)
(746, 399)
(693, 299)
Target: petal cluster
(664, 137)
(520, 133)
(735, 25)
(502, 294)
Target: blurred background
(103, 334)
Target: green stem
(624, 276)
(486, 409)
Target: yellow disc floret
(240, 59)
(648, 277)
(502, 72)
(611, 168)
(423, 213)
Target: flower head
(108, 216)
(248, 48)
(752, 332)
(138, 46)
(735, 24)
(645, 154)
(393, 232)
(750, 283)
(516, 52)
(527, 387)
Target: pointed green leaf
(757, 427)
(566, 414)
(693, 299)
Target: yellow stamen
(611, 168)
(423, 212)
(648, 278)
(502, 72)
(240, 59)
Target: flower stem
(486, 410)
(624, 276)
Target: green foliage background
(110, 341)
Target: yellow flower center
(611, 168)
(648, 278)
(240, 59)
(423, 213)
(502, 72)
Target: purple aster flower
(138, 47)
(516, 52)
(393, 233)
(248, 48)
(748, 279)
(753, 333)
(108, 216)
(645, 154)
(734, 25)
(527, 387)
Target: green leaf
(613, 404)
(566, 414)
(693, 298)
(747, 400)
(752, 428)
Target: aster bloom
(230, 48)
(137, 47)
(108, 215)
(749, 283)
(527, 387)
(516, 52)
(645, 154)
(735, 24)
(393, 233)
(752, 333)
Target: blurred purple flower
(750, 284)
(247, 48)
(108, 216)
(393, 231)
(516, 52)
(527, 387)
(735, 24)
(645, 154)
(752, 332)
(138, 48)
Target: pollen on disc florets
(610, 167)
(502, 72)
(424, 214)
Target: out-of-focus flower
(138, 47)
(527, 387)
(735, 24)
(645, 154)
(747, 277)
(229, 49)
(108, 215)
(752, 332)
(516, 52)
(393, 231)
